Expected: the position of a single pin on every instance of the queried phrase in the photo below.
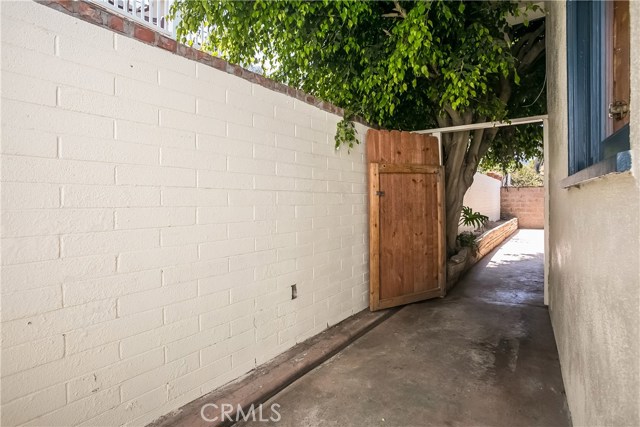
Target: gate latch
(380, 193)
(618, 110)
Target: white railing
(198, 37)
(153, 13)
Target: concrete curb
(268, 379)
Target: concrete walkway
(483, 356)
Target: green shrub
(469, 218)
(526, 176)
(467, 239)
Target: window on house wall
(598, 50)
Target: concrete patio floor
(483, 356)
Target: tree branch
(455, 116)
(474, 147)
(399, 9)
(532, 55)
(444, 121)
(489, 136)
(529, 48)
(527, 39)
(505, 90)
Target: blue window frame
(589, 61)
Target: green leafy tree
(401, 65)
(526, 176)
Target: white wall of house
(594, 276)
(483, 196)
(155, 213)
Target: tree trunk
(463, 151)
(455, 199)
(454, 147)
(462, 158)
(455, 186)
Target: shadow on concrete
(483, 356)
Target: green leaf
(395, 68)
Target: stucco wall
(155, 213)
(594, 278)
(524, 203)
(484, 196)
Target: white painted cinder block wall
(483, 196)
(155, 213)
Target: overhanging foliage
(401, 65)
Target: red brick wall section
(524, 203)
(494, 175)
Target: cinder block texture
(524, 203)
(155, 213)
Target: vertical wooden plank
(422, 266)
(428, 196)
(413, 213)
(404, 201)
(434, 150)
(377, 157)
(405, 244)
(426, 218)
(389, 148)
(384, 224)
(422, 259)
(438, 154)
(373, 145)
(421, 216)
(442, 255)
(390, 227)
(435, 230)
(621, 58)
(374, 237)
(438, 218)
(391, 230)
(419, 147)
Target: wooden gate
(407, 252)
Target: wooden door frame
(375, 169)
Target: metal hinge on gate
(380, 193)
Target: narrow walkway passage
(483, 356)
